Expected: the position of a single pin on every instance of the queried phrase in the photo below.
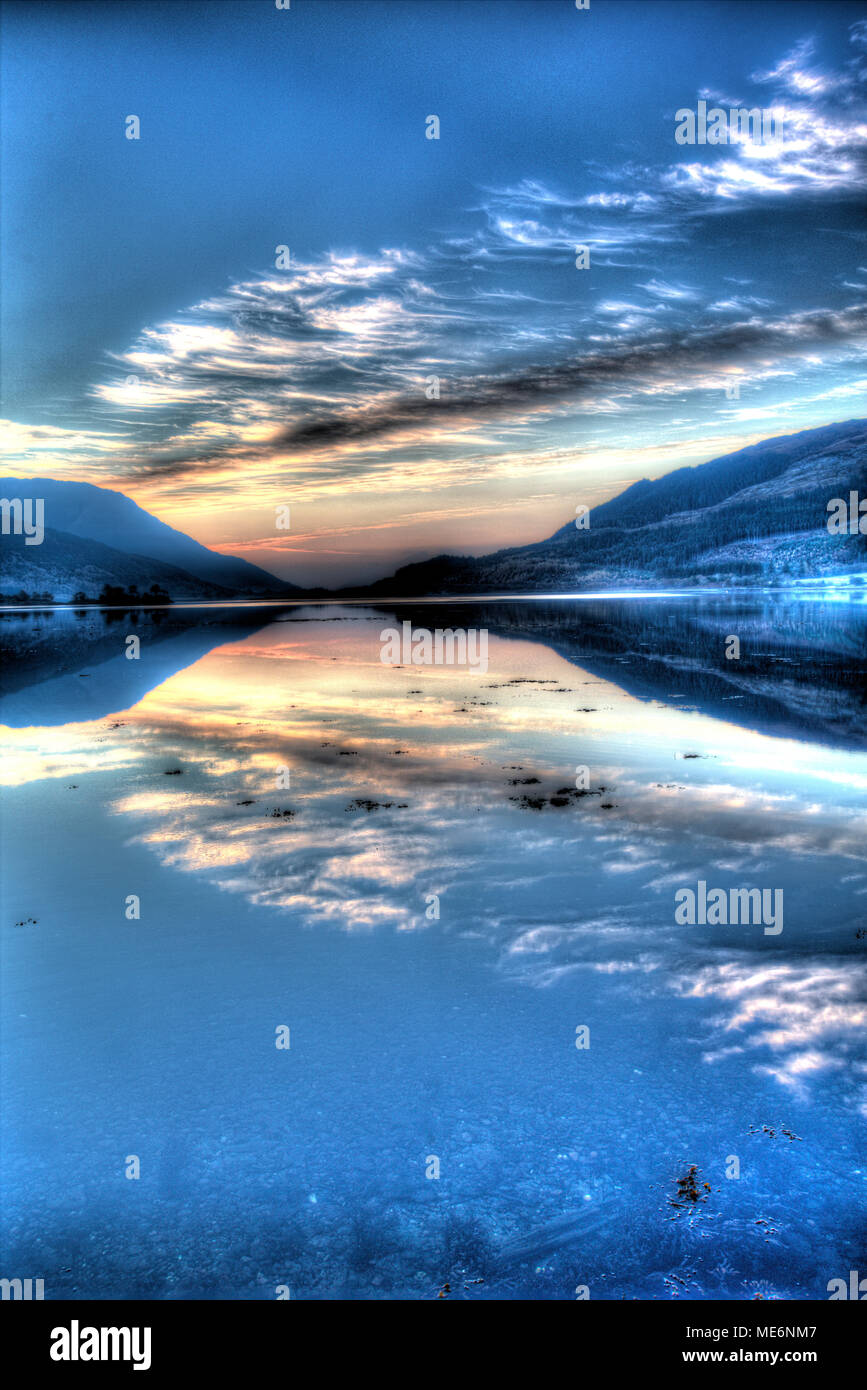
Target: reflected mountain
(801, 673)
(62, 665)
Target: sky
(429, 369)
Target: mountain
(756, 516)
(65, 564)
(94, 536)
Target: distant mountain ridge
(752, 517)
(94, 536)
(64, 565)
(758, 515)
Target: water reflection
(413, 785)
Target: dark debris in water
(767, 1129)
(563, 796)
(690, 1191)
(521, 680)
(679, 1284)
(364, 803)
(466, 1284)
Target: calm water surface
(292, 813)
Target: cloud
(660, 362)
(660, 290)
(319, 371)
(791, 72)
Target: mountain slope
(754, 516)
(109, 518)
(65, 564)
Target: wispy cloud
(322, 373)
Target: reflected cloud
(406, 782)
(806, 1017)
